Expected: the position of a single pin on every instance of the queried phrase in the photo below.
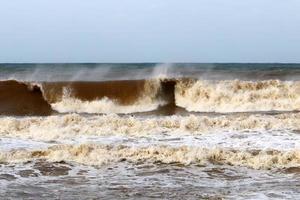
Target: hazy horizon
(45, 63)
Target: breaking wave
(22, 99)
(146, 100)
(61, 127)
(238, 96)
(132, 96)
(98, 154)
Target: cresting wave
(116, 98)
(46, 98)
(131, 96)
(70, 126)
(99, 154)
(238, 96)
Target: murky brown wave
(125, 92)
(163, 95)
(19, 99)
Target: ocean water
(128, 131)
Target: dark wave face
(28, 98)
(148, 88)
(159, 96)
(21, 99)
(124, 92)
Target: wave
(68, 127)
(98, 154)
(143, 97)
(238, 96)
(17, 98)
(132, 96)
(46, 98)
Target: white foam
(238, 96)
(8, 144)
(147, 101)
(95, 154)
(103, 105)
(70, 126)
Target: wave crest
(148, 100)
(72, 125)
(96, 154)
(237, 96)
(133, 96)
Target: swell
(166, 96)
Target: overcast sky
(149, 31)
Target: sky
(113, 31)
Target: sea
(150, 131)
